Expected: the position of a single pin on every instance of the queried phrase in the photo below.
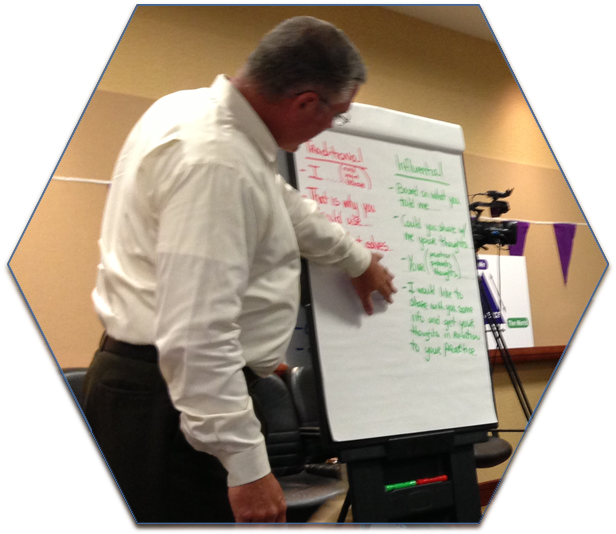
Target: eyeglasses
(340, 119)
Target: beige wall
(55, 262)
(542, 194)
(414, 67)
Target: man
(198, 285)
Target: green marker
(401, 485)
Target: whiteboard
(396, 183)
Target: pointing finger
(387, 295)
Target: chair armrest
(310, 430)
(325, 470)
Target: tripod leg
(504, 352)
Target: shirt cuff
(357, 262)
(246, 466)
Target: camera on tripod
(492, 232)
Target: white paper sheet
(420, 364)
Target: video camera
(490, 232)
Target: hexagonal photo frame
(114, 80)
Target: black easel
(371, 469)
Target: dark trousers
(162, 478)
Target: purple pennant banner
(518, 248)
(564, 239)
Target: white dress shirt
(200, 256)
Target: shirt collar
(247, 119)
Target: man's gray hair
(305, 54)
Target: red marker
(423, 481)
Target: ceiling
(465, 19)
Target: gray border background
(564, 53)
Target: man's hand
(376, 278)
(260, 501)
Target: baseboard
(530, 354)
(486, 490)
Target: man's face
(312, 115)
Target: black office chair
(74, 379)
(300, 381)
(305, 486)
(493, 452)
(301, 384)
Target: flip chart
(396, 183)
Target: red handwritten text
(334, 216)
(314, 195)
(368, 208)
(349, 203)
(377, 245)
(330, 152)
(315, 172)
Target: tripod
(493, 319)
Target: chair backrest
(302, 385)
(283, 441)
(300, 381)
(74, 377)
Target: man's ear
(306, 101)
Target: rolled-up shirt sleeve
(320, 240)
(207, 237)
